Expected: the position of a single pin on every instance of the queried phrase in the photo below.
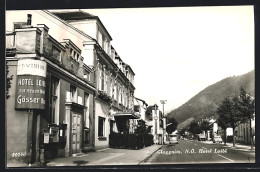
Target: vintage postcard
(130, 86)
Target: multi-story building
(140, 107)
(70, 88)
(154, 120)
(51, 96)
(114, 79)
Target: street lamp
(164, 121)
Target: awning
(127, 115)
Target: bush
(130, 141)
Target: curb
(144, 160)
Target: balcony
(10, 44)
(73, 99)
(10, 41)
(103, 95)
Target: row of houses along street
(70, 89)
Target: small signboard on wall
(46, 138)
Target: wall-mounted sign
(30, 85)
(46, 138)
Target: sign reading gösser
(30, 87)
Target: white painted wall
(87, 26)
(102, 111)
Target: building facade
(70, 89)
(114, 79)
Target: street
(193, 151)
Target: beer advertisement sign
(30, 87)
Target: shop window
(54, 100)
(101, 127)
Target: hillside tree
(222, 123)
(246, 106)
(182, 131)
(229, 114)
(194, 128)
(204, 125)
(173, 125)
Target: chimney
(29, 19)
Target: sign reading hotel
(30, 87)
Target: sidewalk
(238, 146)
(107, 156)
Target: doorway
(76, 133)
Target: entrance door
(76, 133)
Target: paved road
(191, 151)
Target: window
(112, 126)
(109, 49)
(54, 100)
(73, 91)
(105, 82)
(100, 39)
(86, 103)
(127, 100)
(105, 45)
(137, 108)
(77, 56)
(101, 79)
(120, 95)
(115, 93)
(123, 97)
(86, 75)
(101, 127)
(111, 87)
(71, 52)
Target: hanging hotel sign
(30, 86)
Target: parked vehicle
(173, 139)
(217, 139)
(201, 137)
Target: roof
(73, 15)
(67, 24)
(128, 66)
(79, 15)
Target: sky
(177, 52)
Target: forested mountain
(205, 103)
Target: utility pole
(164, 120)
